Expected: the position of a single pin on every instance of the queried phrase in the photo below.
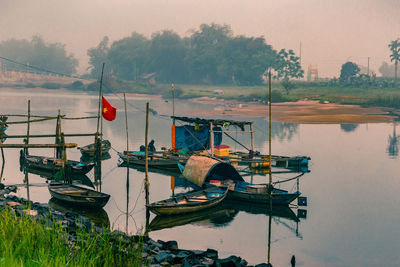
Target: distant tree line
(38, 53)
(210, 55)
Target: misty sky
(331, 32)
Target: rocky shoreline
(154, 253)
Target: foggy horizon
(329, 33)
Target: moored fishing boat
(89, 150)
(77, 195)
(53, 165)
(161, 160)
(201, 170)
(189, 202)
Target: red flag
(109, 112)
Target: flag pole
(100, 95)
(96, 140)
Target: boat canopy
(215, 122)
(193, 138)
(201, 169)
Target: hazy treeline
(210, 55)
(39, 54)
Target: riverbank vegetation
(25, 241)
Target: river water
(352, 217)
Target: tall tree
(98, 56)
(348, 71)
(395, 56)
(288, 67)
(129, 57)
(167, 56)
(204, 55)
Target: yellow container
(221, 151)
(260, 165)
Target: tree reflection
(284, 131)
(348, 127)
(393, 147)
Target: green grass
(27, 242)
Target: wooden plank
(68, 145)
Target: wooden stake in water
(270, 125)
(147, 184)
(147, 154)
(127, 167)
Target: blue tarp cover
(195, 140)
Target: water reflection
(99, 217)
(393, 143)
(284, 130)
(348, 127)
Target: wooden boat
(189, 202)
(77, 195)
(53, 165)
(89, 150)
(259, 193)
(202, 170)
(161, 160)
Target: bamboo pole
(100, 94)
(212, 139)
(67, 145)
(270, 124)
(127, 135)
(43, 135)
(28, 126)
(146, 154)
(127, 167)
(3, 123)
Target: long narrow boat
(53, 165)
(77, 195)
(259, 193)
(189, 202)
(161, 160)
(89, 150)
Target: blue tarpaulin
(195, 140)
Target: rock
(207, 261)
(31, 212)
(170, 245)
(164, 256)
(228, 262)
(211, 253)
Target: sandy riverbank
(304, 111)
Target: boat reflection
(222, 215)
(87, 159)
(99, 217)
(167, 172)
(80, 179)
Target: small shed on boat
(201, 169)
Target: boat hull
(160, 162)
(41, 163)
(77, 195)
(169, 207)
(277, 197)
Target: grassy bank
(28, 242)
(368, 96)
(388, 97)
